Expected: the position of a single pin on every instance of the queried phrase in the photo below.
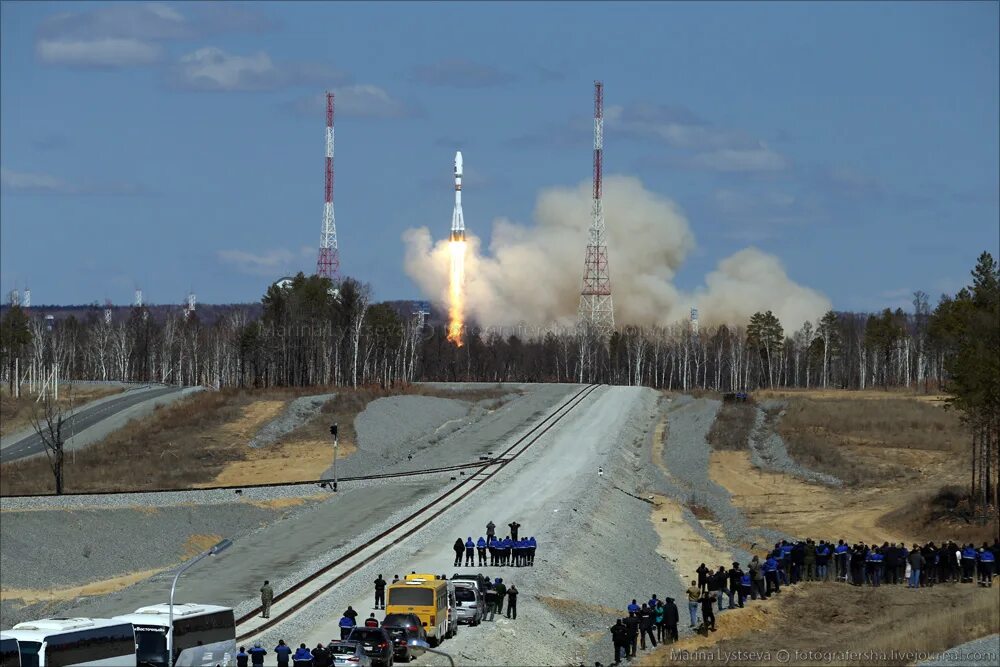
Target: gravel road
(297, 413)
(984, 651)
(768, 450)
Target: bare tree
(47, 420)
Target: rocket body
(457, 219)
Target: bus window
(29, 653)
(9, 657)
(90, 645)
(151, 646)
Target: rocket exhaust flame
(456, 292)
(456, 283)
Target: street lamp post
(336, 447)
(218, 548)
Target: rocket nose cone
(458, 162)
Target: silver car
(469, 603)
(348, 654)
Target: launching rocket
(457, 219)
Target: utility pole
(336, 447)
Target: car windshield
(400, 619)
(465, 595)
(363, 635)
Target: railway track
(288, 602)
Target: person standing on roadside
(646, 626)
(661, 628)
(631, 634)
(619, 636)
(481, 551)
(532, 545)
(671, 617)
(266, 598)
(320, 656)
(986, 560)
(303, 657)
(379, 592)
(512, 602)
(282, 653)
(470, 552)
(501, 590)
(242, 658)
(491, 531)
(707, 615)
(694, 594)
(703, 572)
(756, 579)
(735, 576)
(459, 549)
(916, 559)
(514, 526)
(257, 654)
(493, 545)
(491, 603)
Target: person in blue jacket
(633, 607)
(470, 552)
(242, 658)
(842, 553)
(986, 560)
(303, 657)
(532, 545)
(257, 654)
(771, 575)
(282, 652)
(968, 562)
(507, 545)
(346, 625)
(494, 546)
(481, 550)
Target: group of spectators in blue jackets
(502, 552)
(284, 654)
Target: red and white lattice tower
(328, 263)
(596, 314)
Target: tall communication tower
(26, 303)
(328, 263)
(107, 311)
(694, 322)
(189, 308)
(138, 297)
(596, 309)
(14, 298)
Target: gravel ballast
(390, 423)
(297, 413)
(768, 450)
(983, 651)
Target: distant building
(284, 283)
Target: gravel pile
(88, 550)
(687, 457)
(983, 651)
(768, 450)
(297, 413)
(387, 424)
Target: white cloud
(760, 158)
(21, 182)
(104, 52)
(212, 69)
(272, 263)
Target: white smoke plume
(533, 275)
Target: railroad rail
(304, 592)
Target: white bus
(204, 635)
(9, 656)
(61, 642)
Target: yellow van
(426, 596)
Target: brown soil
(32, 595)
(15, 413)
(831, 618)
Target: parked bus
(9, 656)
(61, 642)
(426, 596)
(204, 635)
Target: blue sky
(176, 146)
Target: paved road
(82, 420)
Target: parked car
(481, 581)
(377, 644)
(402, 628)
(348, 654)
(469, 603)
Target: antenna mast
(328, 263)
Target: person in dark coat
(514, 526)
(459, 548)
(512, 602)
(266, 598)
(619, 637)
(321, 658)
(379, 592)
(702, 577)
(707, 615)
(242, 658)
(631, 634)
(671, 617)
(646, 626)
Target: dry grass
(202, 441)
(946, 513)
(33, 595)
(732, 426)
(831, 618)
(865, 441)
(15, 413)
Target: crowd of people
(493, 551)
(789, 563)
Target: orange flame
(456, 293)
